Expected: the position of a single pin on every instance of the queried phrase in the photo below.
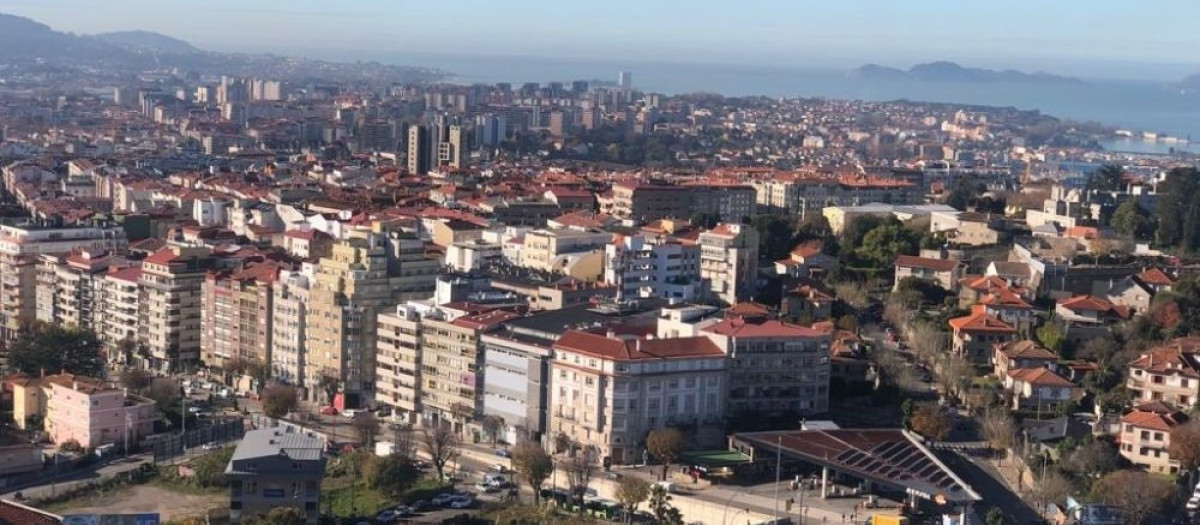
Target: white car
(1193, 504)
(350, 413)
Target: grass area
(176, 485)
(352, 498)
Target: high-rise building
(420, 159)
(169, 318)
(398, 362)
(729, 262)
(642, 266)
(121, 297)
(68, 288)
(625, 80)
(451, 141)
(20, 249)
(235, 317)
(775, 368)
(289, 316)
(452, 364)
(349, 290)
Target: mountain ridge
(946, 71)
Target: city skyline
(1107, 39)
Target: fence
(218, 431)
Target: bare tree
(443, 446)
(853, 294)
(666, 444)
(534, 464)
(402, 439)
(462, 412)
(1185, 446)
(1140, 494)
(1054, 487)
(999, 429)
(580, 468)
(955, 374)
(631, 492)
(366, 425)
(493, 426)
(278, 400)
(932, 422)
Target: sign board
(112, 519)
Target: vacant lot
(171, 505)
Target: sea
(1137, 106)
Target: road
(74, 478)
(984, 478)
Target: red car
(329, 411)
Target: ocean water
(1133, 105)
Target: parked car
(421, 506)
(386, 516)
(329, 411)
(350, 413)
(503, 452)
(442, 500)
(499, 468)
(461, 502)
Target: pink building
(90, 412)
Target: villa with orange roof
(975, 335)
(806, 260)
(1039, 389)
(1015, 355)
(1145, 436)
(1086, 317)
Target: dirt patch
(137, 499)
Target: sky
(1095, 38)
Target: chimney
(611, 334)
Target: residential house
(806, 260)
(1016, 355)
(91, 413)
(975, 335)
(276, 467)
(945, 273)
(1040, 389)
(1086, 317)
(1169, 372)
(1145, 437)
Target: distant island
(944, 71)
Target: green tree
(660, 506)
(881, 245)
(54, 348)
(534, 464)
(210, 468)
(392, 474)
(1130, 219)
(774, 236)
(1051, 336)
(1109, 177)
(165, 393)
(995, 516)
(1178, 211)
(666, 444)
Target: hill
(944, 71)
(147, 40)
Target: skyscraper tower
(625, 80)
(420, 159)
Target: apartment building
(452, 364)
(88, 411)
(644, 202)
(804, 194)
(1169, 372)
(1145, 436)
(119, 300)
(729, 262)
(577, 253)
(398, 361)
(276, 467)
(607, 391)
(412, 273)
(236, 316)
(21, 246)
(69, 288)
(643, 266)
(169, 319)
(289, 316)
(774, 368)
(349, 289)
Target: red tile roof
(1040, 377)
(1154, 419)
(1178, 356)
(739, 327)
(1090, 303)
(618, 349)
(981, 321)
(1156, 277)
(16, 514)
(1004, 297)
(938, 265)
(1025, 350)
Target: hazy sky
(1009, 33)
